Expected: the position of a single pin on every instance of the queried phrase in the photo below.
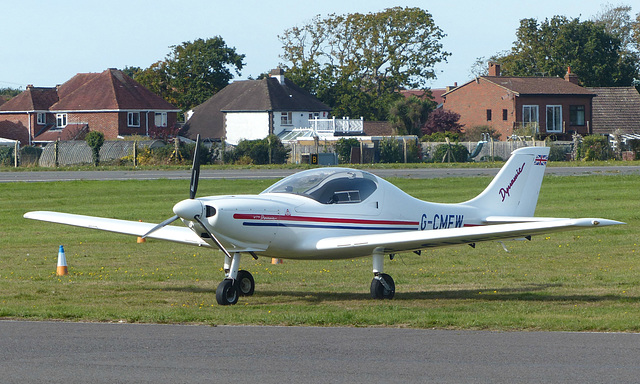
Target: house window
(488, 115)
(505, 114)
(286, 118)
(133, 119)
(554, 118)
(161, 119)
(61, 120)
(42, 118)
(530, 116)
(576, 114)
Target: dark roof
(616, 108)
(109, 90)
(32, 99)
(263, 95)
(533, 85)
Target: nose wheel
(229, 290)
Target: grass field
(573, 281)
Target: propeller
(191, 209)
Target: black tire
(245, 283)
(227, 293)
(379, 291)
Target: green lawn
(574, 281)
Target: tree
(356, 63)
(549, 47)
(95, 139)
(192, 72)
(442, 120)
(343, 148)
(408, 115)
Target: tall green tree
(192, 72)
(356, 62)
(408, 115)
(549, 47)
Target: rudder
(515, 189)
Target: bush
(459, 153)
(390, 150)
(558, 152)
(595, 147)
(6, 156)
(258, 151)
(343, 148)
(440, 137)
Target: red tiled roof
(69, 132)
(109, 90)
(32, 99)
(537, 85)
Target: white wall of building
(298, 120)
(246, 125)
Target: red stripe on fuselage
(251, 216)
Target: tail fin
(514, 191)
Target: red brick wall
(566, 102)
(472, 101)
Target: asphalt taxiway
(62, 352)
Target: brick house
(110, 102)
(254, 109)
(551, 105)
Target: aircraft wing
(415, 240)
(171, 233)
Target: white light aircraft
(339, 213)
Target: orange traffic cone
(140, 238)
(62, 263)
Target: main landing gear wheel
(227, 293)
(245, 283)
(383, 287)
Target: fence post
(135, 153)
(55, 153)
(16, 150)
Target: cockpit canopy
(328, 185)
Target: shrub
(595, 147)
(440, 137)
(390, 150)
(95, 140)
(458, 152)
(343, 148)
(258, 151)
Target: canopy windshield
(328, 185)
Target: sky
(46, 42)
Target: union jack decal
(541, 160)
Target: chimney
(494, 69)
(571, 77)
(278, 73)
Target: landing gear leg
(227, 291)
(382, 285)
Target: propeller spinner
(191, 209)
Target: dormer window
(41, 118)
(133, 119)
